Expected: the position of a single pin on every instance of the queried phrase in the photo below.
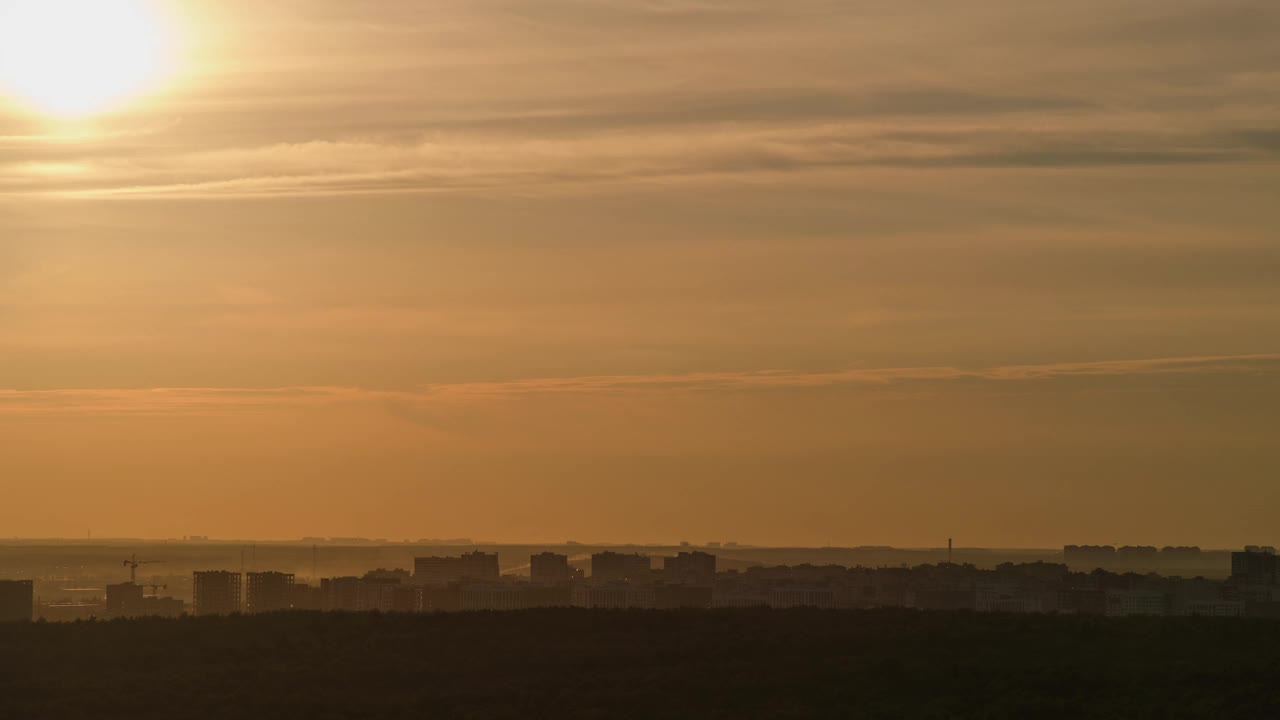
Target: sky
(807, 273)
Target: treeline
(568, 663)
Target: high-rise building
(340, 593)
(1144, 557)
(480, 566)
(376, 594)
(610, 566)
(407, 598)
(394, 575)
(444, 570)
(691, 568)
(307, 597)
(17, 600)
(437, 571)
(268, 591)
(128, 600)
(124, 600)
(215, 592)
(1255, 566)
(380, 590)
(548, 568)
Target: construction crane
(133, 562)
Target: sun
(71, 58)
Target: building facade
(1255, 566)
(480, 566)
(268, 591)
(340, 593)
(693, 568)
(124, 600)
(17, 600)
(549, 568)
(619, 567)
(215, 592)
(437, 571)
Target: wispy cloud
(462, 163)
(220, 401)
(705, 382)
(415, 98)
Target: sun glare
(71, 58)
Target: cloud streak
(476, 163)
(417, 98)
(223, 401)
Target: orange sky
(649, 270)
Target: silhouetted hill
(569, 663)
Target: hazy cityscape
(1080, 579)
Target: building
(611, 566)
(124, 600)
(128, 600)
(669, 597)
(442, 599)
(379, 590)
(388, 591)
(307, 597)
(437, 571)
(1082, 601)
(215, 592)
(395, 575)
(69, 611)
(268, 591)
(1089, 557)
(791, 597)
(17, 600)
(740, 598)
(407, 598)
(1138, 557)
(1122, 603)
(692, 568)
(376, 594)
(615, 595)
(480, 566)
(340, 593)
(549, 568)
(494, 596)
(935, 598)
(169, 607)
(1255, 566)
(1181, 557)
(1008, 596)
(1216, 608)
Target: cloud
(474, 162)
(518, 98)
(411, 403)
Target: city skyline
(1094, 580)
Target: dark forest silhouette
(570, 663)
